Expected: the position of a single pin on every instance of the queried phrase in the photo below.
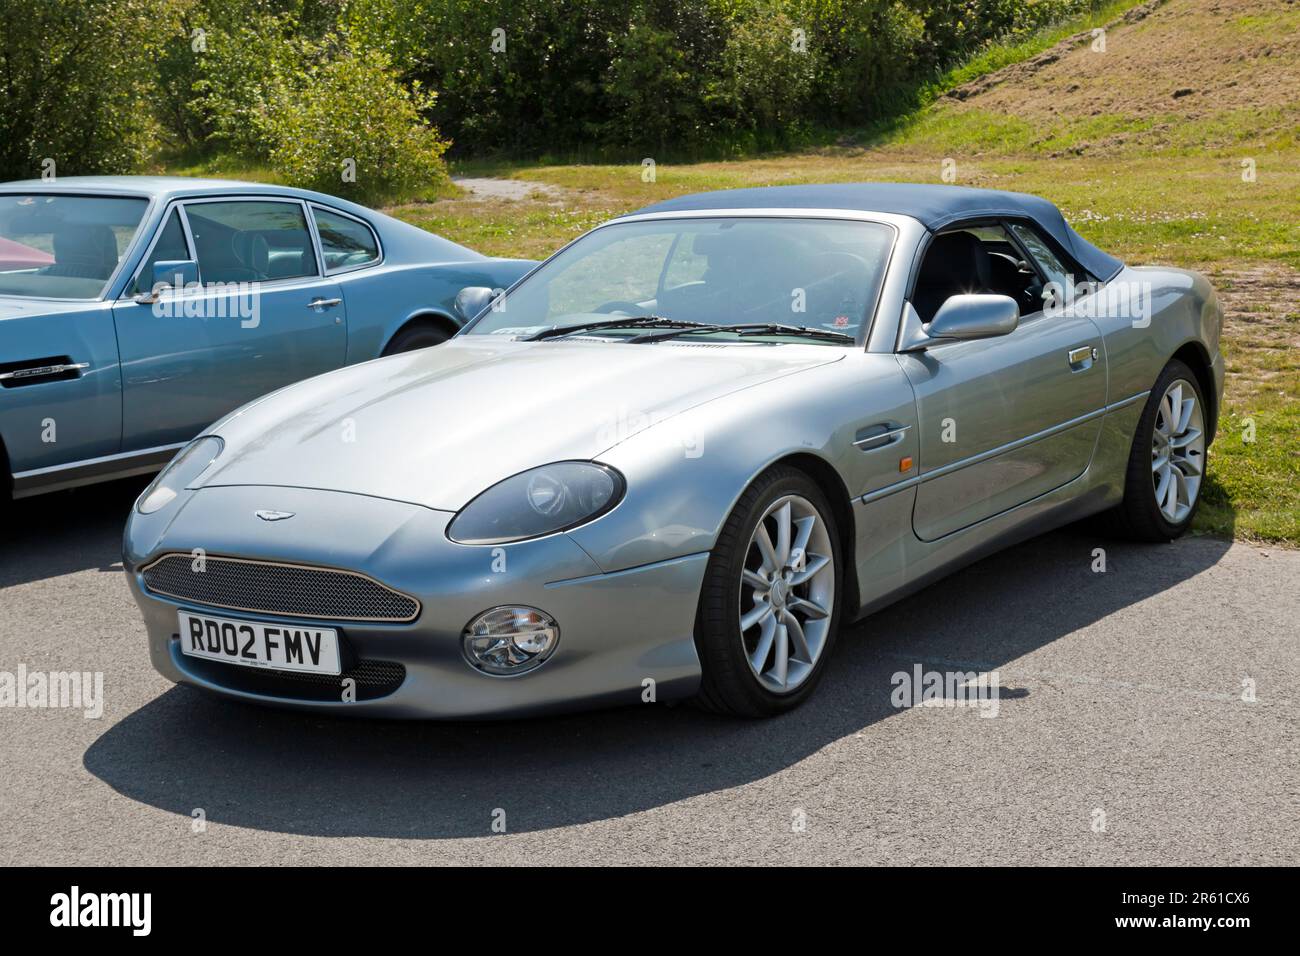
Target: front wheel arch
(6, 476)
(824, 475)
(433, 320)
(728, 683)
(1195, 357)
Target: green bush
(658, 91)
(283, 82)
(247, 60)
(677, 76)
(349, 127)
(74, 80)
(768, 70)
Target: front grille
(374, 679)
(270, 588)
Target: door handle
(323, 303)
(1081, 358)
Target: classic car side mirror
(173, 273)
(975, 317)
(472, 300)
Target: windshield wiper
(627, 322)
(750, 328)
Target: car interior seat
(955, 263)
(84, 252)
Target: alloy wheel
(1178, 451)
(787, 594)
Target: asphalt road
(1121, 734)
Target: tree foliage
(74, 76)
(100, 85)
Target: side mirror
(472, 300)
(975, 317)
(173, 273)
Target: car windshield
(63, 247)
(817, 275)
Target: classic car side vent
(34, 371)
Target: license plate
(286, 647)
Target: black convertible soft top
(933, 205)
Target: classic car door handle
(323, 303)
(874, 437)
(1082, 357)
(42, 371)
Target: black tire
(421, 335)
(6, 488)
(729, 685)
(1138, 517)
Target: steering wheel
(620, 305)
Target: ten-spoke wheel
(786, 592)
(769, 604)
(1178, 451)
(1162, 484)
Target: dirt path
(508, 189)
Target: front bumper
(617, 630)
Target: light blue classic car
(134, 311)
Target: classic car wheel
(769, 607)
(418, 336)
(1163, 483)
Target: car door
(1004, 420)
(261, 316)
(60, 394)
(59, 385)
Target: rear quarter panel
(1173, 307)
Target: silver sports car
(673, 459)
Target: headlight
(509, 640)
(537, 502)
(191, 462)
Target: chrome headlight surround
(538, 502)
(190, 462)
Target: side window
(1047, 260)
(975, 259)
(251, 241)
(344, 242)
(170, 247)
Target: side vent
(56, 368)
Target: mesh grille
(374, 679)
(262, 586)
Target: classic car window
(345, 242)
(171, 246)
(64, 247)
(252, 241)
(822, 273)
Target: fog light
(509, 640)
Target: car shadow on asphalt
(57, 534)
(284, 772)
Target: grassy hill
(1175, 142)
